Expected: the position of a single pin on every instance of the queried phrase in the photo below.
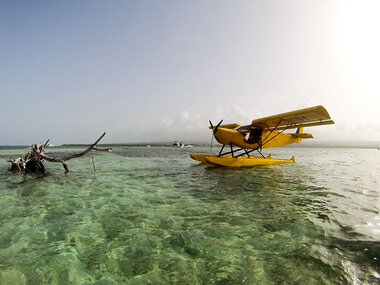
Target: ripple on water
(157, 216)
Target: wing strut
(265, 142)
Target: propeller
(214, 129)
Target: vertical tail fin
(301, 135)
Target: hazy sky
(147, 71)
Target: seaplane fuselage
(256, 139)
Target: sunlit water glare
(154, 216)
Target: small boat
(178, 144)
(241, 161)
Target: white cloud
(166, 122)
(193, 127)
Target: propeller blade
(218, 124)
(214, 129)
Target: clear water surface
(154, 216)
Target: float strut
(260, 153)
(220, 152)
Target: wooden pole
(93, 163)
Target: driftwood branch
(83, 152)
(54, 159)
(33, 161)
(75, 155)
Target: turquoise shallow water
(154, 216)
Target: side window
(254, 136)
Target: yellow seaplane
(262, 133)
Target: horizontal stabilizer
(303, 136)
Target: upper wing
(313, 116)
